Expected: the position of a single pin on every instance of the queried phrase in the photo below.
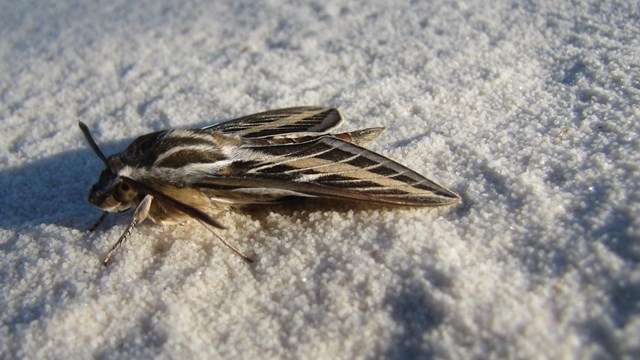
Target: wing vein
(287, 158)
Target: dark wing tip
(450, 196)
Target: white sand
(530, 112)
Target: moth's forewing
(304, 119)
(331, 167)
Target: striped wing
(282, 121)
(327, 167)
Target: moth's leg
(244, 257)
(201, 216)
(141, 213)
(100, 220)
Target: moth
(264, 158)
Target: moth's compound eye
(124, 193)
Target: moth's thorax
(173, 149)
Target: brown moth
(262, 158)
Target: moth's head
(111, 193)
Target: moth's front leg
(98, 222)
(141, 213)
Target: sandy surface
(530, 112)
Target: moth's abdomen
(193, 197)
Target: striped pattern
(282, 121)
(169, 149)
(329, 163)
(180, 148)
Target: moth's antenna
(92, 143)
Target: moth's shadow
(53, 190)
(303, 208)
(295, 205)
